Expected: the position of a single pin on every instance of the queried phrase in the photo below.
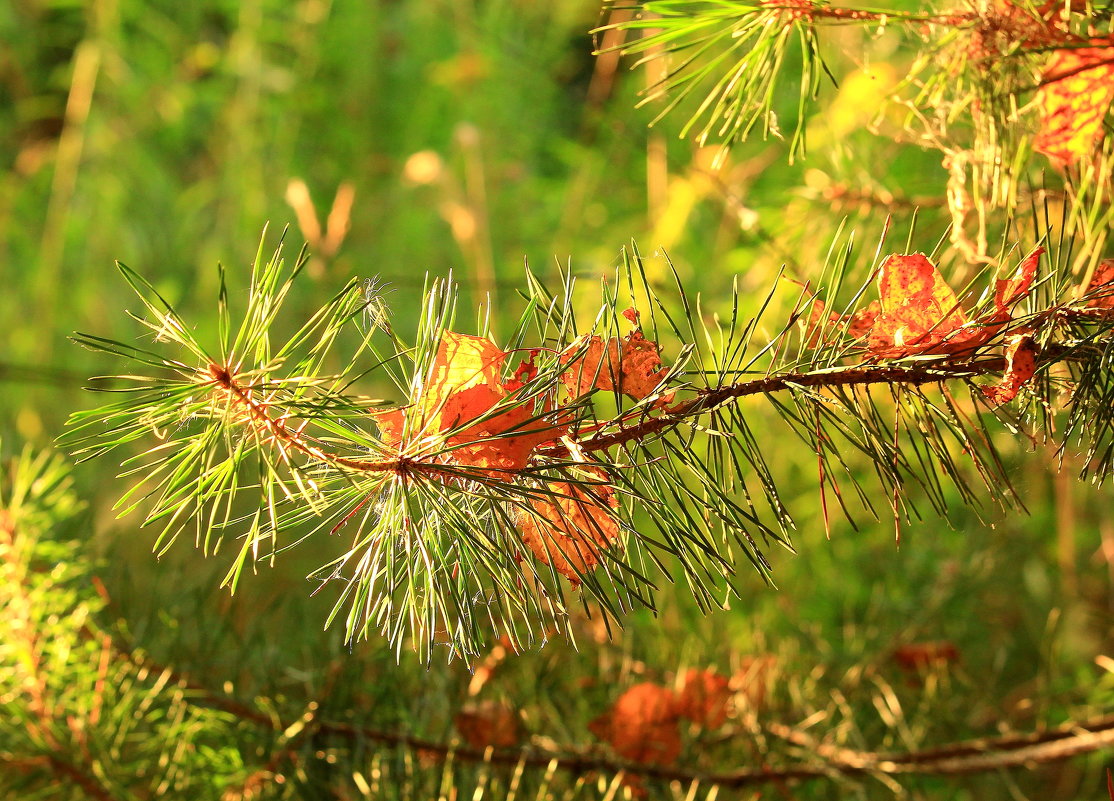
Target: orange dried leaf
(642, 725)
(862, 321)
(919, 312)
(1079, 86)
(488, 724)
(1021, 364)
(704, 697)
(569, 528)
(1102, 286)
(463, 381)
(391, 423)
(1007, 291)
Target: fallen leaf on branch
(642, 725)
(1078, 88)
(1007, 291)
(488, 724)
(570, 527)
(704, 696)
(1021, 364)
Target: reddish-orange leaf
(488, 724)
(1021, 364)
(1078, 89)
(703, 699)
(919, 312)
(462, 385)
(463, 382)
(569, 528)
(642, 725)
(391, 423)
(1102, 286)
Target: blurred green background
(469, 135)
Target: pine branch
(494, 491)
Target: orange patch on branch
(488, 724)
(1101, 288)
(570, 527)
(642, 725)
(1078, 89)
(919, 312)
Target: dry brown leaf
(463, 384)
(918, 656)
(1007, 291)
(642, 725)
(569, 528)
(1078, 89)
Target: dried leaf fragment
(1007, 291)
(642, 725)
(919, 656)
(1078, 88)
(631, 365)
(1021, 364)
(569, 527)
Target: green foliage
(474, 133)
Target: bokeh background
(405, 138)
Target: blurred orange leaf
(489, 724)
(704, 696)
(918, 656)
(1078, 88)
(751, 682)
(1102, 285)
(642, 725)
